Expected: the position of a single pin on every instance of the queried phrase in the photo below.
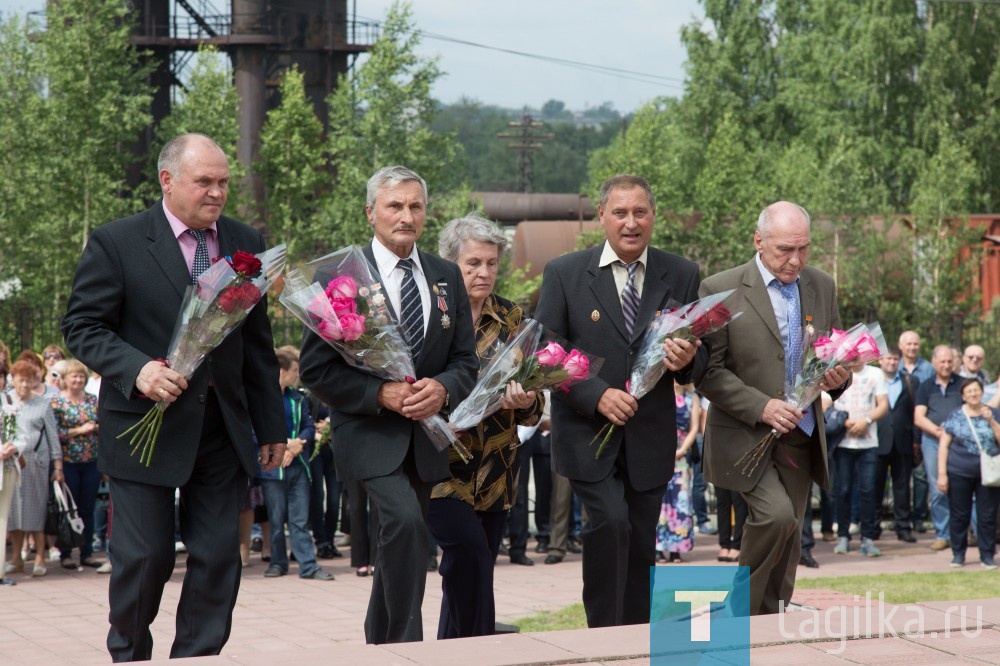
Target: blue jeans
(288, 500)
(865, 462)
(939, 501)
(83, 480)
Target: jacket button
(201, 399)
(781, 391)
(781, 356)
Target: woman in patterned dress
(75, 411)
(675, 530)
(468, 511)
(37, 426)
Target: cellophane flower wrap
(861, 344)
(8, 428)
(688, 322)
(212, 309)
(339, 299)
(534, 357)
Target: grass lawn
(898, 589)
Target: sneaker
(939, 544)
(105, 568)
(273, 571)
(988, 563)
(843, 546)
(869, 549)
(707, 528)
(318, 574)
(957, 562)
(854, 529)
(829, 537)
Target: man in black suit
(898, 438)
(602, 300)
(126, 296)
(376, 437)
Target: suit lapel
(655, 292)
(757, 297)
(166, 251)
(602, 283)
(807, 295)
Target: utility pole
(525, 139)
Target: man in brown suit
(745, 382)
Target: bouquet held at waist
(687, 322)
(339, 299)
(535, 358)
(212, 308)
(861, 344)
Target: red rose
(246, 263)
(242, 296)
(710, 321)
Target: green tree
(293, 167)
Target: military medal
(445, 322)
(595, 316)
(441, 291)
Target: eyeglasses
(49, 357)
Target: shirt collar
(608, 256)
(179, 228)
(490, 309)
(386, 259)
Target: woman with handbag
(36, 426)
(969, 465)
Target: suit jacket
(747, 368)
(580, 302)
(369, 442)
(896, 429)
(121, 314)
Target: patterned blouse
(69, 414)
(489, 481)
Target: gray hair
(625, 182)
(172, 154)
(391, 176)
(473, 227)
(765, 218)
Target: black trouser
(901, 466)
(960, 493)
(517, 526)
(730, 504)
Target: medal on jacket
(441, 291)
(595, 316)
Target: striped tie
(411, 310)
(630, 297)
(793, 358)
(201, 262)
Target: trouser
(900, 467)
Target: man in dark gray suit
(121, 314)
(602, 300)
(745, 381)
(376, 437)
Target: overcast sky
(639, 37)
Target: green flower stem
(145, 433)
(610, 428)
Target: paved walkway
(62, 619)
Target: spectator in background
(5, 362)
(11, 450)
(535, 449)
(675, 530)
(921, 370)
(36, 426)
(75, 412)
(937, 397)
(51, 356)
(324, 502)
(911, 363)
(967, 431)
(898, 439)
(972, 364)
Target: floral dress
(675, 530)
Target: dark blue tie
(411, 310)
(201, 262)
(793, 353)
(630, 297)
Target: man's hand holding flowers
(515, 397)
(784, 417)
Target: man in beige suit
(745, 382)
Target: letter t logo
(701, 626)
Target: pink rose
(552, 355)
(825, 348)
(353, 326)
(344, 306)
(342, 287)
(577, 366)
(867, 348)
(329, 329)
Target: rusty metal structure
(262, 38)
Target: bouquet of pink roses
(688, 322)
(339, 299)
(862, 343)
(212, 309)
(525, 360)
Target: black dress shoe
(806, 560)
(325, 552)
(906, 535)
(573, 546)
(921, 527)
(542, 547)
(522, 559)
(553, 559)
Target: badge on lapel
(595, 316)
(441, 292)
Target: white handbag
(989, 466)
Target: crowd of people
(338, 458)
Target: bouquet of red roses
(535, 358)
(862, 343)
(212, 309)
(339, 299)
(688, 322)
